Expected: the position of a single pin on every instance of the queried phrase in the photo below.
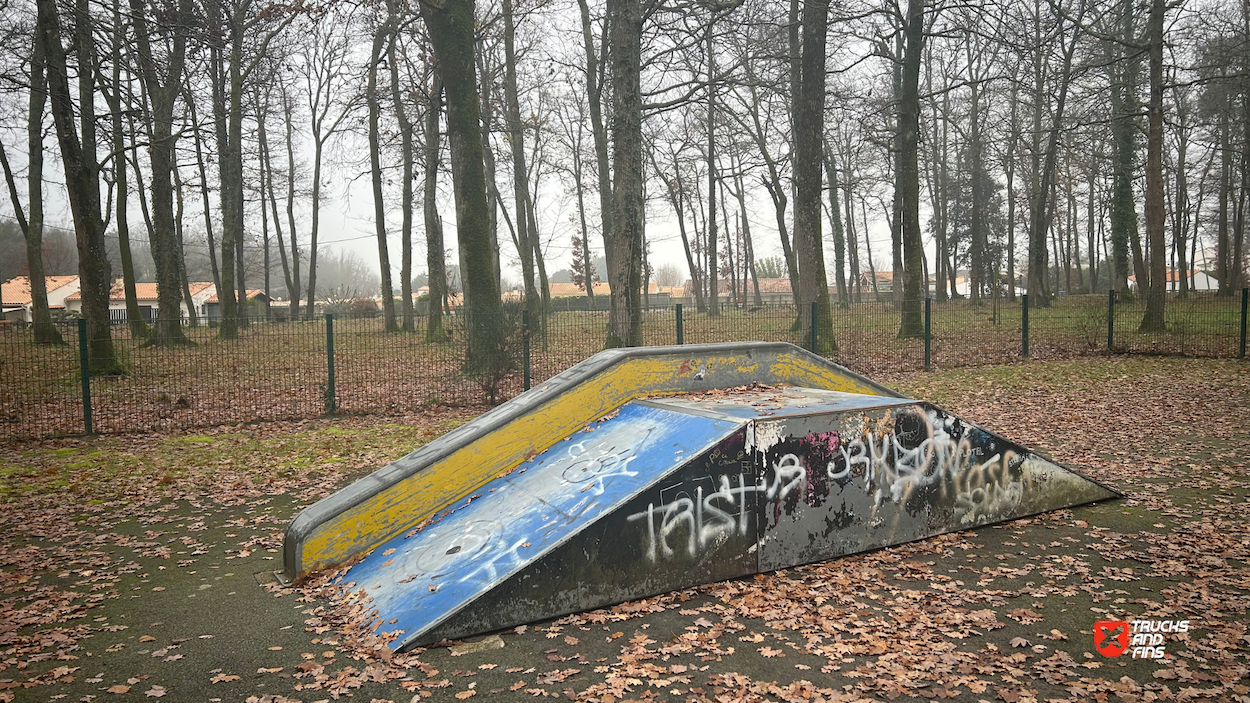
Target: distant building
(773, 291)
(1197, 281)
(15, 295)
(256, 299)
(572, 290)
(145, 295)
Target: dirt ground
(140, 566)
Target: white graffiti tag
(894, 472)
(712, 517)
(912, 450)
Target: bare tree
(406, 155)
(243, 31)
(31, 220)
(324, 65)
(434, 256)
(114, 93)
(907, 197)
(381, 35)
(809, 127)
(1156, 299)
(623, 240)
(82, 172)
(163, 96)
(451, 27)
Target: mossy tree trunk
(451, 28)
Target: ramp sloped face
(675, 492)
(432, 573)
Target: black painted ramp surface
(673, 492)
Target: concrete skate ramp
(440, 474)
(670, 492)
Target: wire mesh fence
(276, 370)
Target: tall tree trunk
(1223, 267)
(1010, 173)
(520, 181)
(852, 237)
(288, 110)
(977, 227)
(223, 71)
(313, 230)
(31, 221)
(809, 126)
(1124, 125)
(772, 183)
(540, 264)
(908, 197)
(896, 212)
(451, 28)
(113, 96)
(193, 316)
(207, 202)
(486, 97)
(163, 97)
(625, 243)
(435, 260)
(595, 65)
(1090, 226)
(676, 196)
(269, 194)
(747, 245)
(1044, 178)
(1180, 228)
(82, 173)
(583, 244)
(380, 36)
(713, 308)
(406, 157)
(839, 238)
(729, 266)
(1156, 299)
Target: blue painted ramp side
(418, 580)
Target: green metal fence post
(84, 365)
(815, 312)
(928, 333)
(525, 348)
(681, 337)
(1245, 298)
(1110, 319)
(331, 399)
(1024, 324)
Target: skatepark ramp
(646, 470)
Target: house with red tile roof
(145, 295)
(16, 300)
(256, 303)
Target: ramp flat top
(775, 401)
(421, 578)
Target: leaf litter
(1003, 613)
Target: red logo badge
(1111, 637)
